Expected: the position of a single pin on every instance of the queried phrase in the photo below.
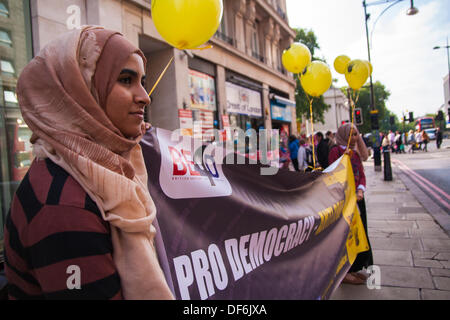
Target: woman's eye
(125, 80)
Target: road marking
(425, 183)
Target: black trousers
(363, 259)
(295, 164)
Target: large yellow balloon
(187, 24)
(356, 74)
(369, 65)
(316, 79)
(296, 58)
(340, 63)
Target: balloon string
(160, 76)
(312, 131)
(352, 104)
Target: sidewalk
(411, 249)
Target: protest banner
(227, 232)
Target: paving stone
(388, 217)
(386, 224)
(418, 216)
(361, 292)
(392, 258)
(436, 245)
(408, 277)
(428, 225)
(428, 233)
(435, 294)
(445, 263)
(442, 283)
(426, 263)
(443, 256)
(423, 254)
(440, 272)
(386, 199)
(418, 209)
(381, 243)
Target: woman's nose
(142, 97)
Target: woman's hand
(359, 194)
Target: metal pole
(376, 148)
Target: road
(430, 171)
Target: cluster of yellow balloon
(315, 76)
(187, 24)
(356, 71)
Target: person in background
(411, 141)
(438, 138)
(84, 201)
(425, 139)
(358, 153)
(301, 155)
(398, 141)
(385, 144)
(391, 140)
(419, 139)
(294, 144)
(329, 138)
(322, 150)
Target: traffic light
(440, 116)
(411, 117)
(448, 112)
(392, 120)
(358, 117)
(374, 120)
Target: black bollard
(387, 165)
(377, 158)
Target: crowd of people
(408, 142)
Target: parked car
(431, 133)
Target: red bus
(425, 123)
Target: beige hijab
(62, 94)
(342, 135)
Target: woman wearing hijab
(358, 153)
(80, 224)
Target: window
(10, 97)
(5, 38)
(4, 12)
(7, 67)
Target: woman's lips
(138, 114)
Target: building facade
(238, 83)
(338, 112)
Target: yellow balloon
(369, 65)
(187, 24)
(296, 58)
(316, 79)
(356, 74)
(340, 63)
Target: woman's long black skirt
(363, 259)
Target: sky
(401, 51)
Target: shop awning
(281, 100)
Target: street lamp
(411, 11)
(448, 58)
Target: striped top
(57, 245)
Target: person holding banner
(81, 221)
(358, 153)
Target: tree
(308, 38)
(381, 95)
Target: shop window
(7, 67)
(10, 98)
(4, 12)
(5, 38)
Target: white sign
(243, 100)
(180, 177)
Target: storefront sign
(186, 124)
(243, 100)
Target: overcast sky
(402, 52)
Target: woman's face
(353, 139)
(128, 98)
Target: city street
(408, 230)
(430, 171)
